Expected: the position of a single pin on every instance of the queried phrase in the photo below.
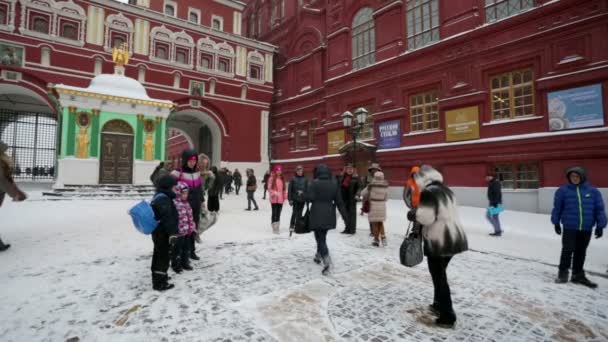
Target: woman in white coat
(376, 192)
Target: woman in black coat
(213, 202)
(324, 196)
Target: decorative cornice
(113, 98)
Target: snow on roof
(115, 85)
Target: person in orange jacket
(411, 193)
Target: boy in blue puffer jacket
(579, 207)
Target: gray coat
(324, 195)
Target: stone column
(71, 131)
(158, 139)
(139, 137)
(95, 134)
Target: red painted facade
(562, 42)
(232, 99)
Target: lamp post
(355, 128)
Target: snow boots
(275, 227)
(327, 265)
(446, 321)
(3, 246)
(160, 281)
(581, 279)
(562, 277)
(317, 259)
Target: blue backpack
(143, 216)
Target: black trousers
(160, 256)
(442, 295)
(321, 238)
(296, 213)
(351, 216)
(276, 212)
(574, 243)
(251, 199)
(265, 189)
(237, 187)
(180, 254)
(196, 215)
(213, 203)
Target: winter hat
(182, 187)
(278, 168)
(193, 158)
(374, 166)
(166, 183)
(379, 176)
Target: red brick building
(189, 52)
(467, 86)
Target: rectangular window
(423, 111)
(118, 39)
(181, 56)
(422, 23)
(301, 136)
(224, 65)
(518, 175)
(312, 127)
(512, 94)
(255, 72)
(193, 17)
(500, 9)
(40, 24)
(162, 51)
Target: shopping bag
(410, 252)
(496, 210)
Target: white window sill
(507, 121)
(422, 132)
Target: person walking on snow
(495, 207)
(443, 237)
(277, 193)
(265, 182)
(349, 187)
(251, 187)
(238, 181)
(578, 207)
(7, 184)
(371, 170)
(295, 195)
(191, 175)
(180, 244)
(376, 193)
(213, 200)
(168, 219)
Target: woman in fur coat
(443, 236)
(376, 193)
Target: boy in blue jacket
(579, 207)
(166, 213)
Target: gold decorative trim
(140, 117)
(72, 109)
(113, 98)
(95, 112)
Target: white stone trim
(56, 10)
(254, 58)
(112, 22)
(173, 40)
(10, 14)
(237, 19)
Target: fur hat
(427, 175)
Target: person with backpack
(277, 192)
(376, 192)
(324, 195)
(166, 215)
(7, 184)
(185, 231)
(296, 196)
(251, 187)
(238, 181)
(191, 175)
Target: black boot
(447, 320)
(434, 308)
(160, 283)
(562, 277)
(317, 258)
(327, 265)
(193, 256)
(3, 246)
(187, 267)
(582, 280)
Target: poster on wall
(576, 108)
(389, 134)
(335, 140)
(462, 124)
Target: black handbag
(410, 252)
(303, 223)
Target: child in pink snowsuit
(180, 256)
(277, 189)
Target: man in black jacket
(166, 213)
(349, 187)
(296, 194)
(495, 199)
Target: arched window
(118, 30)
(223, 65)
(181, 56)
(193, 17)
(117, 40)
(217, 24)
(161, 52)
(169, 10)
(40, 24)
(364, 39)
(69, 31)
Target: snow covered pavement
(77, 268)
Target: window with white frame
(207, 52)
(40, 24)
(255, 66)
(162, 51)
(518, 175)
(194, 16)
(170, 47)
(7, 15)
(363, 39)
(62, 21)
(500, 9)
(170, 8)
(512, 94)
(69, 30)
(3, 14)
(225, 58)
(422, 23)
(423, 111)
(217, 23)
(118, 30)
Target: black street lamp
(355, 128)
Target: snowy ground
(76, 268)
